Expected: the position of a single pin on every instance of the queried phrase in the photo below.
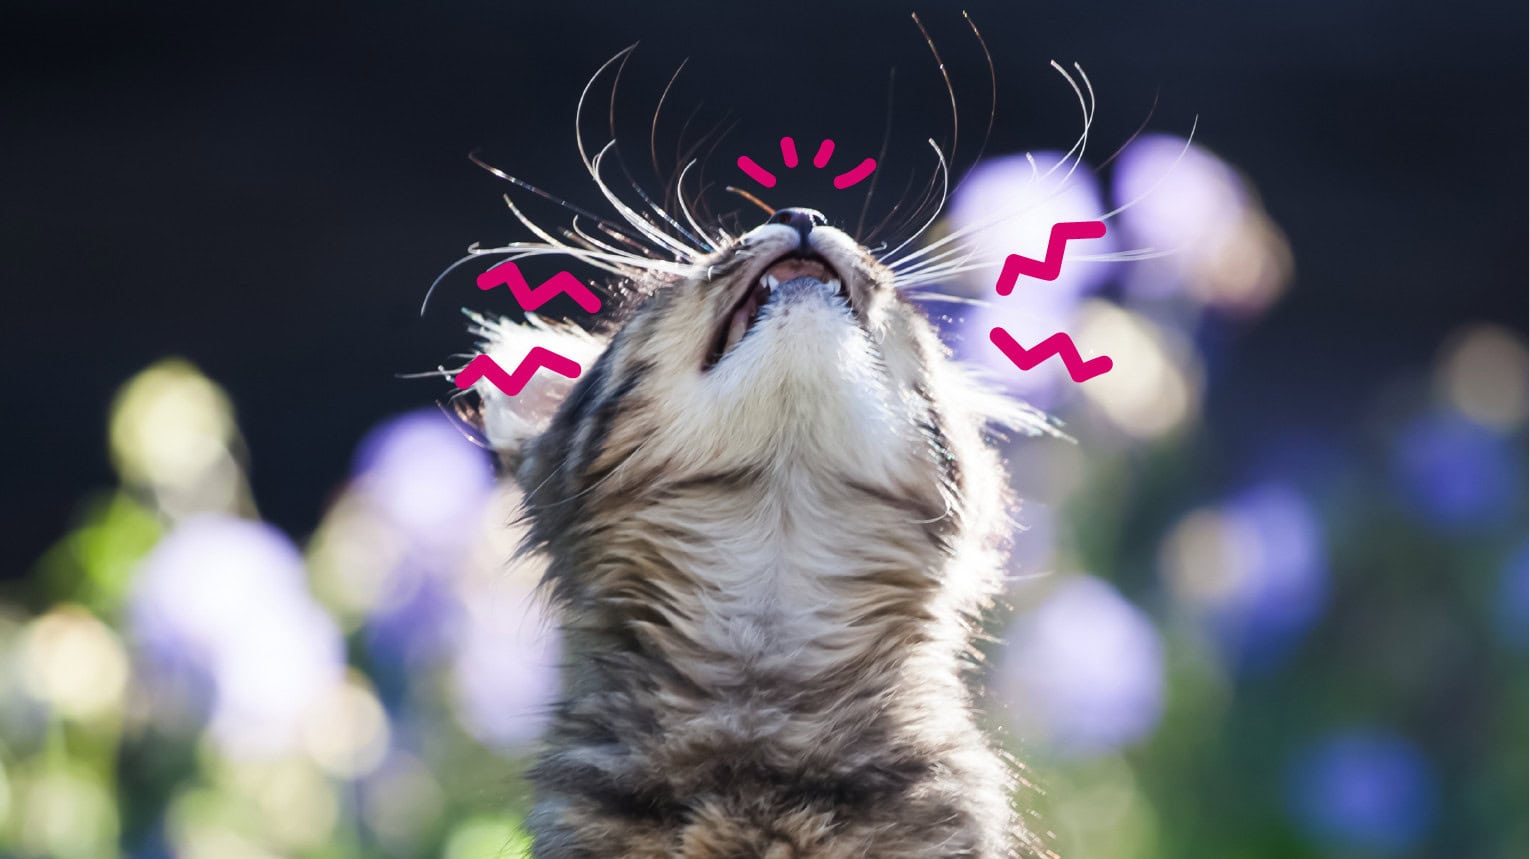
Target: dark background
(267, 189)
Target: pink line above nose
(825, 149)
(789, 151)
(756, 172)
(855, 174)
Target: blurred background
(1269, 603)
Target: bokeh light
(505, 678)
(74, 663)
(423, 477)
(1454, 472)
(172, 431)
(346, 733)
(1215, 241)
(227, 601)
(1254, 567)
(1363, 790)
(65, 811)
(1008, 205)
(1482, 373)
(1082, 672)
(486, 836)
(1153, 386)
(403, 804)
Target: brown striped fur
(769, 573)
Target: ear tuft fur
(507, 422)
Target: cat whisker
(1074, 153)
(653, 127)
(1189, 138)
(686, 212)
(945, 179)
(591, 166)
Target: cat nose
(801, 220)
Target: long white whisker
(597, 243)
(616, 83)
(625, 261)
(653, 127)
(945, 186)
(1075, 153)
(966, 231)
(1161, 179)
(943, 274)
(681, 250)
(605, 223)
(940, 260)
(699, 241)
(472, 255)
(474, 252)
(948, 298)
(930, 271)
(532, 225)
(617, 235)
(941, 268)
(1086, 105)
(940, 65)
(628, 214)
(1129, 256)
(685, 210)
(523, 250)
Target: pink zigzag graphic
(508, 274)
(484, 367)
(1059, 344)
(1047, 269)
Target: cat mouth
(743, 314)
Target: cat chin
(807, 385)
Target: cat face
(787, 349)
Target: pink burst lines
(820, 160)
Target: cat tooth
(737, 326)
(834, 284)
(770, 281)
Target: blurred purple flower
(505, 671)
(1457, 473)
(1179, 198)
(1083, 670)
(1212, 241)
(420, 478)
(1253, 569)
(424, 477)
(1362, 790)
(1009, 205)
(227, 600)
(1283, 580)
(415, 629)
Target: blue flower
(1363, 790)
(1456, 473)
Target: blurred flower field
(1316, 653)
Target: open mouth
(742, 316)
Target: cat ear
(507, 423)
